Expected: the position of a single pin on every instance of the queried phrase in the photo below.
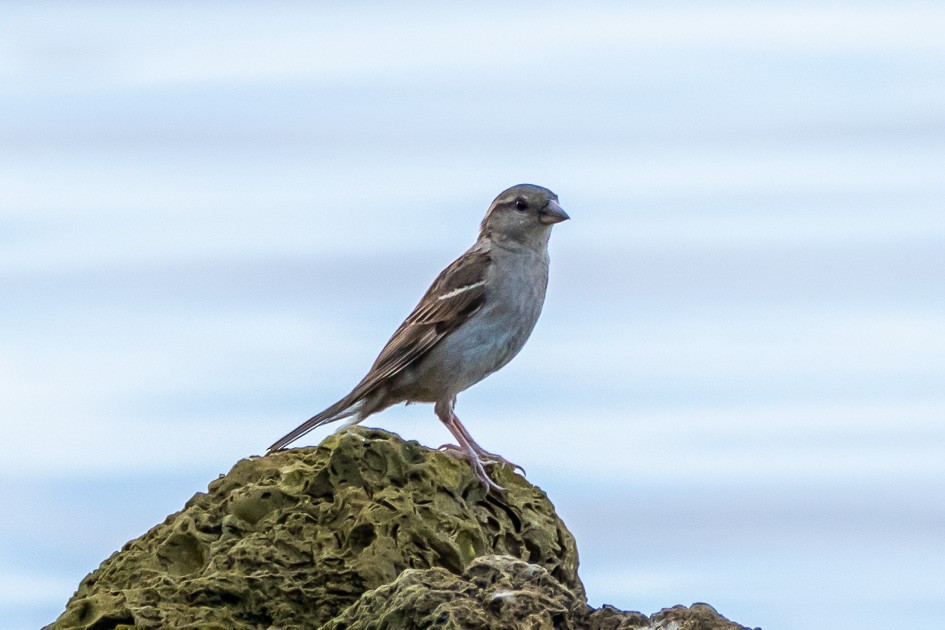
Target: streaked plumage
(473, 320)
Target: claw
(478, 465)
(491, 459)
(477, 456)
(491, 486)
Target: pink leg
(483, 453)
(444, 411)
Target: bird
(474, 318)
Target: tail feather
(340, 410)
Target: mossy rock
(292, 539)
(365, 532)
(493, 593)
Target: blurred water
(213, 217)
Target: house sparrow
(475, 317)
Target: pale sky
(213, 217)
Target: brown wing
(455, 296)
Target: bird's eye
(521, 204)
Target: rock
(696, 617)
(493, 593)
(364, 531)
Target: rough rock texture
(365, 531)
(696, 617)
(493, 592)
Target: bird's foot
(477, 464)
(486, 458)
(491, 459)
(491, 486)
(452, 449)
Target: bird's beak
(552, 213)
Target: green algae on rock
(493, 593)
(503, 593)
(365, 532)
(293, 538)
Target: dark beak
(552, 213)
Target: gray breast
(494, 335)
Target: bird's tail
(344, 408)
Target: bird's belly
(482, 345)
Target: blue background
(212, 217)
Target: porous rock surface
(365, 531)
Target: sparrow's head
(523, 213)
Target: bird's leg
(444, 411)
(483, 453)
(488, 458)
